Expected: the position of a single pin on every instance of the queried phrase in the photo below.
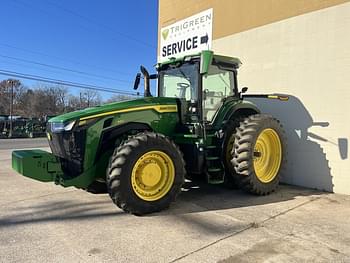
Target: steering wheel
(182, 86)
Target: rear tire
(259, 153)
(231, 179)
(145, 173)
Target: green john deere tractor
(141, 150)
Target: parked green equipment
(18, 127)
(22, 127)
(36, 127)
(141, 150)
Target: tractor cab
(202, 82)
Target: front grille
(70, 147)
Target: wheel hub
(153, 175)
(150, 174)
(267, 155)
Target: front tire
(145, 174)
(259, 153)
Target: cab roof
(207, 55)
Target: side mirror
(137, 81)
(244, 90)
(153, 76)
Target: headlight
(59, 126)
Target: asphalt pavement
(42, 222)
(22, 143)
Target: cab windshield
(180, 82)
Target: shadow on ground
(58, 211)
(204, 197)
(196, 197)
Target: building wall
(300, 48)
(233, 16)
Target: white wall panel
(307, 57)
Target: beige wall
(299, 48)
(233, 16)
(308, 57)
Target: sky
(100, 43)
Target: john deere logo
(165, 33)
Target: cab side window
(217, 84)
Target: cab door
(217, 84)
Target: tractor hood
(111, 107)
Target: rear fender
(233, 109)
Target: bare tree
(89, 98)
(46, 100)
(61, 96)
(120, 97)
(10, 88)
(73, 103)
(42, 99)
(25, 103)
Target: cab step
(213, 181)
(211, 147)
(193, 136)
(215, 175)
(212, 158)
(214, 170)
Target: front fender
(109, 136)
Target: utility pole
(11, 106)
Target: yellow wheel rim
(267, 155)
(153, 175)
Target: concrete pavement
(44, 222)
